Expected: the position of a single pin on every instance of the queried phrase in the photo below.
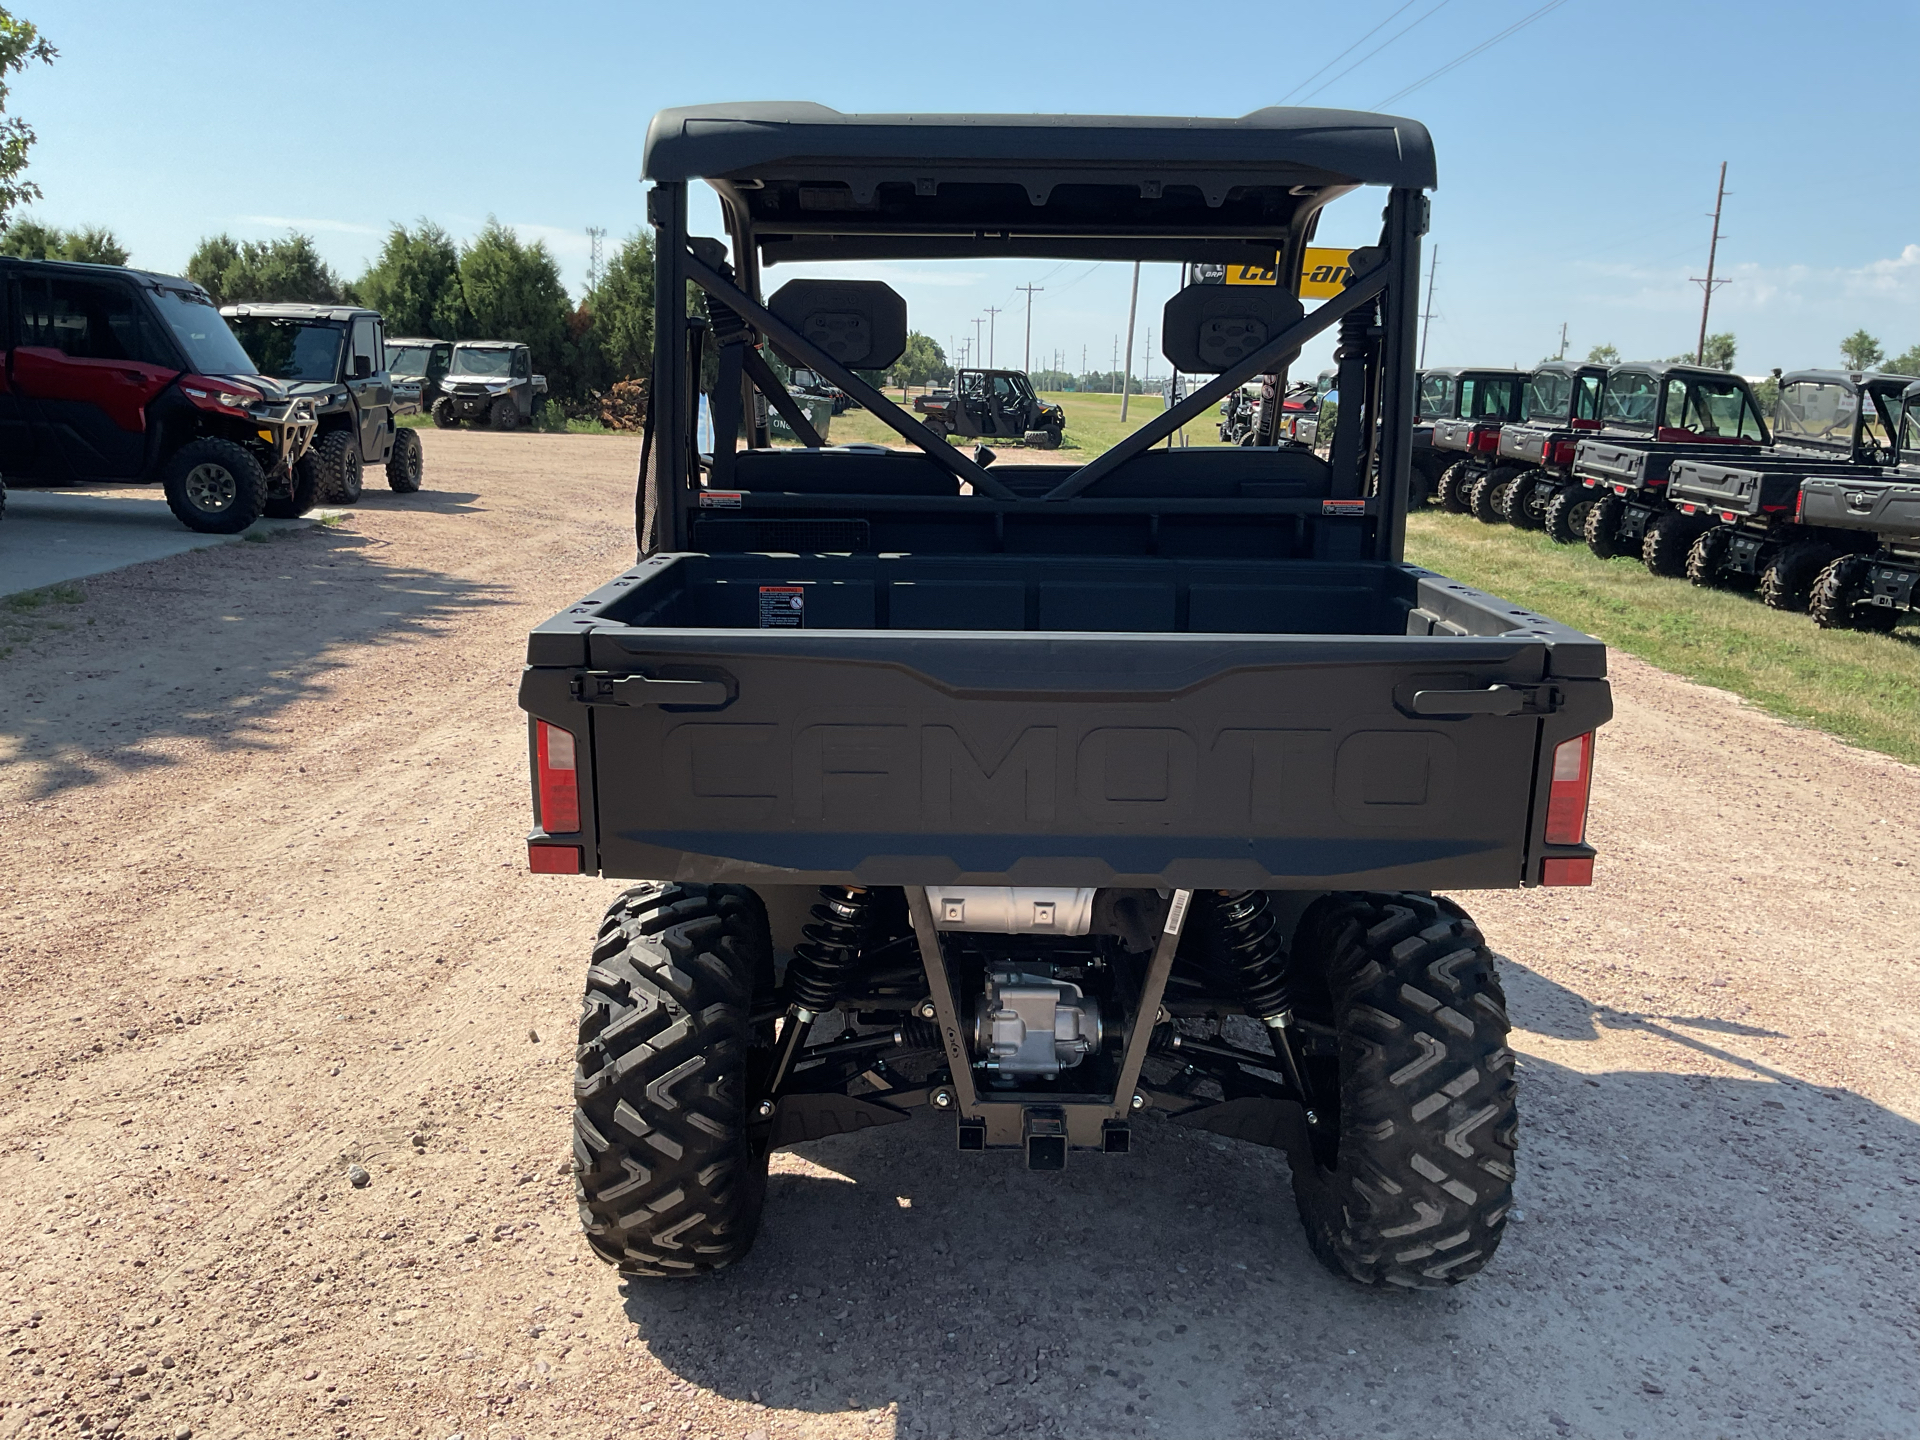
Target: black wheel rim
(211, 488)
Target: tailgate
(1731, 490)
(1887, 508)
(1452, 434)
(1072, 759)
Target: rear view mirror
(362, 366)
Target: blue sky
(1577, 157)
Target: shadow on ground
(270, 622)
(1682, 1265)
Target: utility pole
(1116, 360)
(1426, 320)
(595, 234)
(1713, 254)
(993, 312)
(1146, 359)
(977, 323)
(1563, 342)
(1032, 290)
(1126, 379)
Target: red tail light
(1566, 870)
(1799, 504)
(555, 859)
(1567, 791)
(1484, 438)
(559, 780)
(1560, 452)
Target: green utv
(1056, 802)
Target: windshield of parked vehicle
(1810, 412)
(1549, 396)
(1712, 409)
(1436, 397)
(1487, 397)
(1631, 399)
(202, 332)
(410, 361)
(469, 360)
(1910, 425)
(293, 349)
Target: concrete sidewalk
(52, 536)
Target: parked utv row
(1675, 464)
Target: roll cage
(801, 182)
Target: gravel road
(268, 919)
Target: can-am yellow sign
(1322, 273)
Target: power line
(1484, 45)
(1346, 52)
(1401, 33)
(1426, 320)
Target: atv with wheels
(1872, 589)
(1562, 402)
(418, 367)
(989, 404)
(123, 376)
(1825, 423)
(335, 358)
(1467, 407)
(1650, 417)
(489, 383)
(1058, 800)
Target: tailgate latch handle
(594, 688)
(1494, 700)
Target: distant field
(1863, 688)
(1093, 422)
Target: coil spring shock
(828, 955)
(1257, 956)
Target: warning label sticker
(720, 499)
(1343, 507)
(782, 607)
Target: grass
(573, 427)
(1863, 688)
(21, 614)
(1093, 423)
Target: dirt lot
(267, 917)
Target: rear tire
(1446, 491)
(1707, 554)
(1839, 595)
(1667, 542)
(443, 416)
(1565, 518)
(669, 1172)
(1408, 1176)
(407, 462)
(337, 457)
(1603, 527)
(1517, 506)
(1485, 496)
(1787, 582)
(214, 486)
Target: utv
(1474, 480)
(1045, 798)
(333, 356)
(130, 377)
(993, 403)
(418, 368)
(805, 382)
(1651, 416)
(1871, 590)
(1562, 402)
(490, 383)
(1825, 423)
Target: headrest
(860, 323)
(1208, 328)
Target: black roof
(810, 183)
(295, 310)
(88, 267)
(1356, 147)
(1565, 367)
(1678, 367)
(1885, 382)
(1459, 370)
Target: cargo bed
(1061, 721)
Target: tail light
(559, 780)
(1485, 439)
(1560, 452)
(1567, 790)
(1799, 505)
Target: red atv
(120, 375)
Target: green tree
(94, 244)
(1719, 351)
(923, 362)
(619, 309)
(286, 269)
(512, 291)
(20, 43)
(415, 284)
(1907, 364)
(1861, 351)
(1603, 355)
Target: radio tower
(595, 234)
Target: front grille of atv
(731, 536)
